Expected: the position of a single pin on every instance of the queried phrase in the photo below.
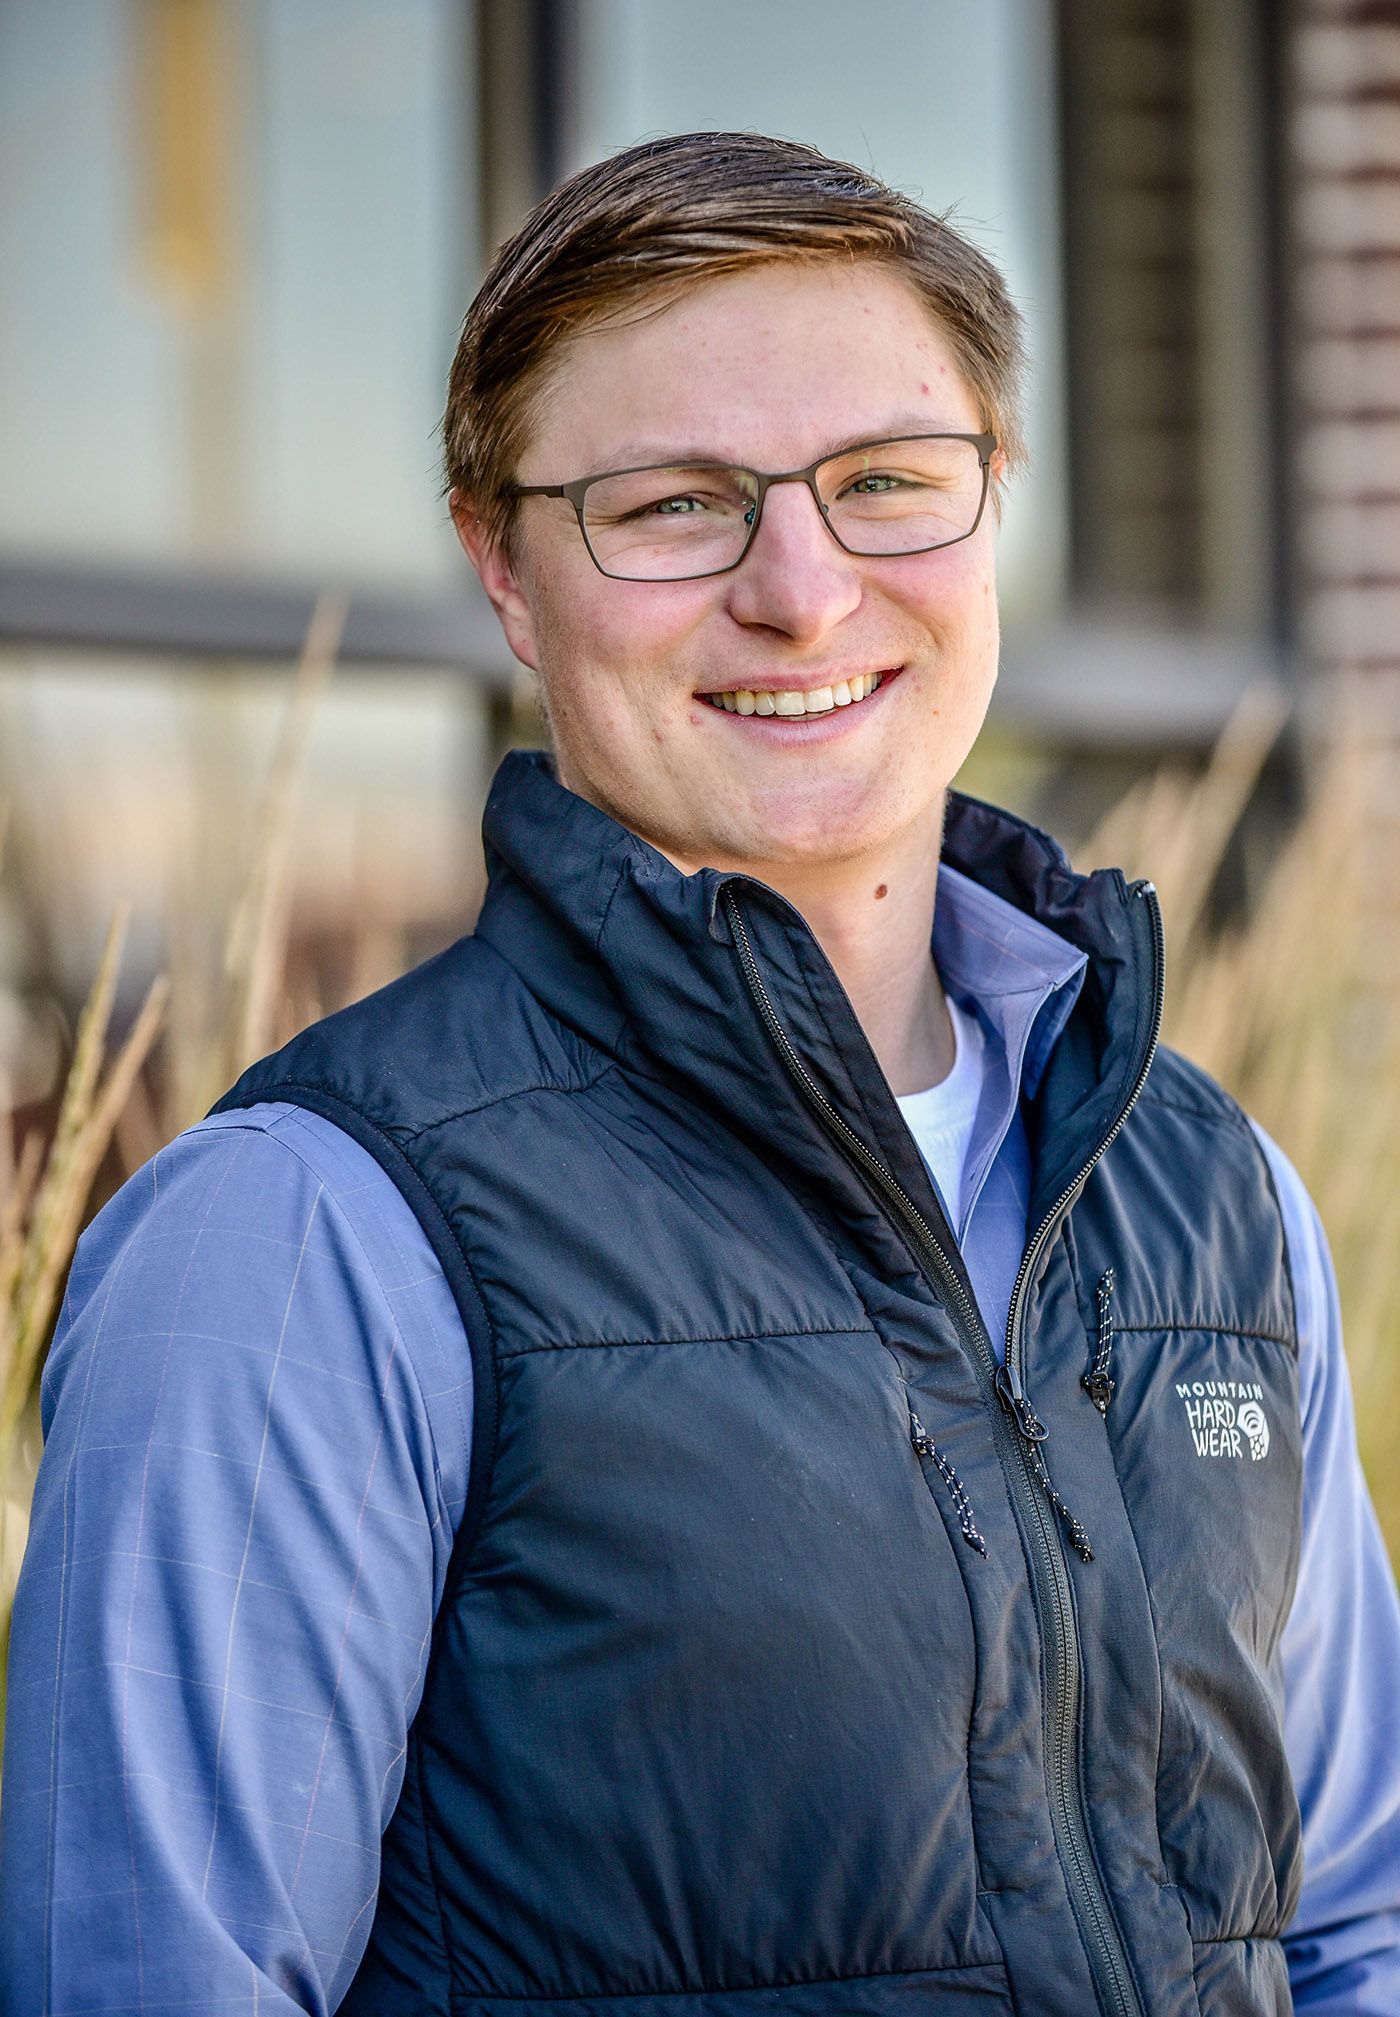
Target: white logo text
(1225, 1417)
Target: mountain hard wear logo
(1226, 1418)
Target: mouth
(793, 704)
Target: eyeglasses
(680, 521)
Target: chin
(838, 821)
(808, 843)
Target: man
(554, 1414)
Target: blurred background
(237, 239)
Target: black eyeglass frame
(575, 491)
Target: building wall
(237, 237)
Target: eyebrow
(644, 452)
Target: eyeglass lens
(675, 522)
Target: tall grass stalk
(1294, 1008)
(256, 941)
(46, 1183)
(1286, 1008)
(41, 1214)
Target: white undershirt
(941, 1119)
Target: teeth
(793, 702)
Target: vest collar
(639, 959)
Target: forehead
(772, 365)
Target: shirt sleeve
(256, 1413)
(1341, 1657)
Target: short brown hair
(657, 219)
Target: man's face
(769, 368)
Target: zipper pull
(924, 1444)
(1099, 1389)
(1096, 1382)
(1016, 1401)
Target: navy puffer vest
(774, 1671)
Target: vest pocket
(1207, 1444)
(700, 1710)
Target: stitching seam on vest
(730, 1988)
(624, 862)
(754, 1337)
(432, 1869)
(1164, 1877)
(1230, 1121)
(1238, 1940)
(1282, 1232)
(499, 1099)
(1178, 1898)
(1212, 1330)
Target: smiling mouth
(792, 703)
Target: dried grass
(1289, 1010)
(45, 1184)
(1294, 1010)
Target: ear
(499, 577)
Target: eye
(874, 476)
(682, 505)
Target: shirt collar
(661, 970)
(1022, 976)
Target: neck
(872, 915)
(873, 918)
(874, 922)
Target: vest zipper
(1063, 1652)
(1017, 1433)
(1017, 1404)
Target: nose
(795, 578)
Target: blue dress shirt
(257, 1410)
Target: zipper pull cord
(1017, 1404)
(1096, 1381)
(924, 1444)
